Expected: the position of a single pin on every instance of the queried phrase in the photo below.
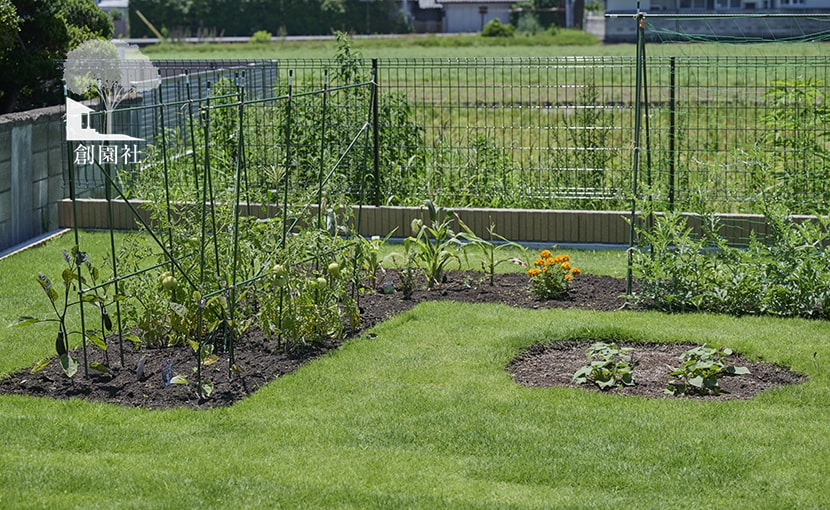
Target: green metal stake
(322, 150)
(375, 136)
(237, 194)
(636, 156)
(77, 241)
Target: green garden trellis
(204, 186)
(662, 190)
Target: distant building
(456, 16)
(470, 16)
(119, 11)
(718, 24)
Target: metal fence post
(641, 22)
(375, 135)
(672, 130)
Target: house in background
(719, 25)
(456, 16)
(427, 16)
(470, 16)
(118, 10)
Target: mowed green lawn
(421, 413)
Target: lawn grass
(422, 414)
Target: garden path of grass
(422, 414)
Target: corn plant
(368, 257)
(490, 249)
(436, 244)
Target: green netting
(733, 121)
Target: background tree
(85, 21)
(548, 13)
(46, 30)
(8, 26)
(245, 17)
(112, 70)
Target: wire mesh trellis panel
(505, 132)
(206, 161)
(540, 133)
(735, 132)
(548, 133)
(533, 133)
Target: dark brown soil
(555, 364)
(260, 360)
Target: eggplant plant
(80, 286)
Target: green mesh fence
(717, 131)
(730, 127)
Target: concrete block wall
(32, 163)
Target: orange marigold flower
(576, 270)
(533, 272)
(557, 259)
(565, 257)
(545, 254)
(539, 262)
(569, 277)
(566, 266)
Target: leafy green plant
(436, 244)
(609, 366)
(369, 257)
(73, 281)
(785, 274)
(490, 248)
(310, 306)
(495, 28)
(795, 121)
(700, 371)
(551, 275)
(308, 294)
(407, 272)
(260, 37)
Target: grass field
(567, 44)
(422, 414)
